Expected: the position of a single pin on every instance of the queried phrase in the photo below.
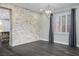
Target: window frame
(59, 17)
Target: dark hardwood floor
(39, 48)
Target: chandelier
(47, 10)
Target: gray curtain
(0, 40)
(51, 37)
(72, 34)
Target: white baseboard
(55, 41)
(61, 42)
(77, 45)
(15, 44)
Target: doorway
(5, 26)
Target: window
(62, 22)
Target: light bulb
(48, 11)
(41, 9)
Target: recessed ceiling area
(37, 6)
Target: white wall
(62, 38)
(77, 25)
(44, 27)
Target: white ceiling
(37, 6)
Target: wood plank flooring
(39, 48)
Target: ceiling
(37, 6)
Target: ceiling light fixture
(47, 10)
(41, 9)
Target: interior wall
(77, 25)
(44, 27)
(24, 25)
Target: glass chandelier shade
(46, 10)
